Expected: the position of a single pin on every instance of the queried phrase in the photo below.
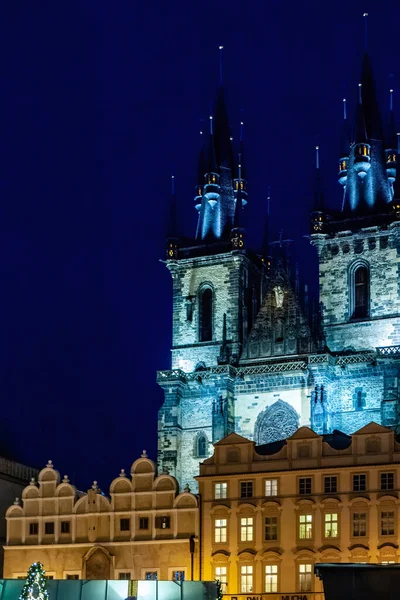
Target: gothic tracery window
(201, 447)
(206, 315)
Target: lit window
(271, 528)
(246, 529)
(388, 562)
(305, 578)
(271, 578)
(220, 490)
(271, 487)
(178, 575)
(220, 575)
(330, 484)
(305, 485)
(331, 525)
(246, 579)
(151, 575)
(387, 481)
(246, 489)
(305, 527)
(220, 531)
(387, 523)
(359, 524)
(359, 483)
(163, 522)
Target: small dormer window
(213, 178)
(391, 158)
(342, 165)
(363, 150)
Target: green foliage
(35, 585)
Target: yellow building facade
(143, 529)
(270, 513)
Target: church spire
(266, 252)
(238, 229)
(344, 147)
(391, 154)
(172, 246)
(318, 214)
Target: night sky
(100, 103)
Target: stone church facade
(250, 353)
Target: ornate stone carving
(277, 422)
(279, 296)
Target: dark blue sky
(100, 103)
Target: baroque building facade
(143, 529)
(271, 512)
(250, 353)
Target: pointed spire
(360, 131)
(172, 237)
(222, 133)
(221, 64)
(266, 249)
(241, 150)
(211, 158)
(344, 136)
(318, 194)
(365, 15)
(372, 118)
(201, 165)
(392, 137)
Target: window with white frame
(305, 578)
(305, 527)
(72, 574)
(220, 490)
(220, 574)
(271, 578)
(271, 487)
(150, 574)
(178, 575)
(331, 525)
(124, 575)
(271, 528)
(246, 579)
(220, 530)
(246, 529)
(359, 528)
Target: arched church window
(202, 447)
(360, 285)
(206, 315)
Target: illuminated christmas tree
(35, 585)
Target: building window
(143, 522)
(360, 292)
(246, 489)
(71, 576)
(271, 528)
(220, 531)
(220, 575)
(246, 579)
(331, 525)
(271, 578)
(330, 484)
(201, 446)
(271, 487)
(126, 576)
(305, 578)
(220, 490)
(178, 575)
(359, 524)
(65, 526)
(305, 527)
(388, 562)
(359, 483)
(49, 528)
(206, 315)
(150, 575)
(124, 524)
(305, 485)
(387, 481)
(33, 528)
(387, 522)
(163, 522)
(246, 529)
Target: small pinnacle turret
(318, 214)
(344, 147)
(391, 154)
(237, 237)
(172, 247)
